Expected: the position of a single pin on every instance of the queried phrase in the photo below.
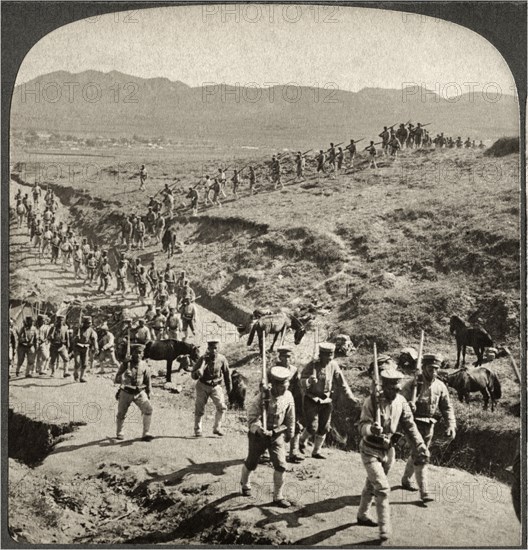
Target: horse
(480, 379)
(476, 337)
(169, 241)
(276, 324)
(165, 350)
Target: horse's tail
(495, 386)
(252, 334)
(485, 338)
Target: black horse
(476, 337)
(480, 379)
(169, 241)
(165, 350)
(276, 324)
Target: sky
(333, 46)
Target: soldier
(121, 276)
(332, 159)
(85, 341)
(77, 261)
(410, 136)
(135, 387)
(47, 216)
(351, 152)
(142, 177)
(385, 136)
(377, 450)
(402, 134)
(321, 159)
(299, 166)
(139, 233)
(193, 195)
(153, 278)
(59, 338)
(107, 350)
(318, 379)
(285, 360)
(432, 396)
(217, 187)
(160, 227)
(174, 324)
(43, 348)
(12, 340)
(105, 274)
(21, 213)
(372, 155)
(458, 142)
(467, 143)
(222, 181)
(340, 157)
(46, 240)
(394, 145)
(91, 265)
(236, 182)
(158, 324)
(162, 295)
(481, 145)
(127, 229)
(251, 180)
(209, 370)
(27, 347)
(143, 334)
(280, 428)
(37, 192)
(66, 250)
(185, 291)
(150, 313)
(170, 278)
(418, 135)
(168, 201)
(150, 220)
(141, 281)
(188, 317)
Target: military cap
(87, 319)
(59, 317)
(384, 358)
(141, 320)
(28, 317)
(285, 350)
(104, 326)
(281, 374)
(432, 360)
(213, 342)
(40, 317)
(158, 308)
(137, 347)
(326, 347)
(391, 375)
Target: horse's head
(454, 323)
(298, 335)
(194, 352)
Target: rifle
(128, 341)
(513, 364)
(368, 146)
(418, 366)
(355, 142)
(265, 390)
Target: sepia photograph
(264, 274)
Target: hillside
(117, 104)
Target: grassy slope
(434, 234)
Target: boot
(219, 417)
(198, 426)
(245, 482)
(278, 484)
(119, 428)
(422, 480)
(295, 456)
(406, 482)
(147, 419)
(82, 378)
(303, 439)
(318, 443)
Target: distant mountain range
(116, 104)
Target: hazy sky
(352, 48)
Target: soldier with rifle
(385, 139)
(251, 180)
(209, 371)
(142, 177)
(383, 411)
(394, 144)
(271, 420)
(332, 159)
(402, 134)
(372, 154)
(27, 347)
(339, 158)
(85, 341)
(351, 148)
(236, 182)
(60, 345)
(321, 159)
(427, 396)
(299, 166)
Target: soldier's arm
(367, 417)
(148, 382)
(119, 373)
(339, 377)
(289, 421)
(409, 426)
(227, 376)
(197, 369)
(255, 415)
(307, 378)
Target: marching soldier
(280, 429)
(60, 344)
(12, 340)
(121, 276)
(458, 142)
(170, 278)
(432, 396)
(299, 164)
(105, 273)
(467, 143)
(160, 227)
(185, 291)
(351, 152)
(143, 334)
(318, 379)
(394, 144)
(37, 192)
(77, 261)
(85, 341)
(135, 387)
(385, 136)
(142, 177)
(27, 347)
(174, 324)
(321, 159)
(402, 134)
(193, 195)
(209, 370)
(332, 159)
(222, 181)
(410, 136)
(153, 278)
(377, 447)
(252, 180)
(107, 351)
(372, 155)
(418, 135)
(139, 233)
(285, 360)
(217, 188)
(91, 265)
(150, 221)
(188, 317)
(236, 182)
(162, 295)
(141, 281)
(158, 324)
(43, 349)
(340, 157)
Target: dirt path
(469, 510)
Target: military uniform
(27, 347)
(318, 379)
(210, 370)
(188, 317)
(142, 177)
(143, 334)
(158, 324)
(279, 430)
(85, 341)
(107, 351)
(134, 377)
(43, 348)
(59, 338)
(432, 396)
(174, 324)
(377, 450)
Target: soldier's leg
(256, 446)
(202, 395)
(30, 361)
(124, 401)
(295, 455)
(145, 406)
(381, 488)
(277, 451)
(311, 418)
(421, 468)
(217, 395)
(21, 356)
(54, 359)
(63, 353)
(325, 416)
(76, 364)
(410, 468)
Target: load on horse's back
(476, 337)
(482, 379)
(276, 324)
